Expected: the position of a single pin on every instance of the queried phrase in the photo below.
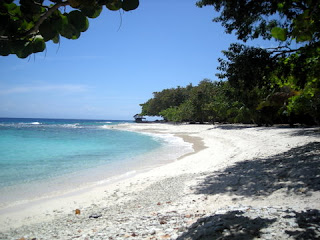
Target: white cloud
(44, 88)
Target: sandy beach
(241, 182)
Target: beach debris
(134, 234)
(162, 221)
(96, 215)
(77, 211)
(165, 236)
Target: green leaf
(280, 6)
(86, 25)
(17, 45)
(30, 7)
(78, 20)
(91, 11)
(57, 20)
(52, 26)
(22, 49)
(38, 44)
(25, 26)
(11, 8)
(279, 33)
(4, 48)
(70, 32)
(304, 37)
(74, 3)
(47, 31)
(56, 39)
(64, 20)
(114, 5)
(129, 5)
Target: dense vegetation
(26, 25)
(262, 86)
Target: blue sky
(113, 67)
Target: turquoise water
(36, 149)
(39, 156)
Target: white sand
(217, 147)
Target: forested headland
(255, 85)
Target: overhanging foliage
(25, 27)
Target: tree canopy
(297, 20)
(262, 86)
(25, 27)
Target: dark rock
(95, 215)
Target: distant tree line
(262, 86)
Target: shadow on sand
(299, 131)
(233, 126)
(296, 171)
(233, 225)
(311, 132)
(309, 222)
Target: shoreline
(214, 179)
(22, 208)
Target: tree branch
(278, 48)
(44, 17)
(281, 52)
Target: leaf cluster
(25, 27)
(284, 20)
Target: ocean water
(40, 157)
